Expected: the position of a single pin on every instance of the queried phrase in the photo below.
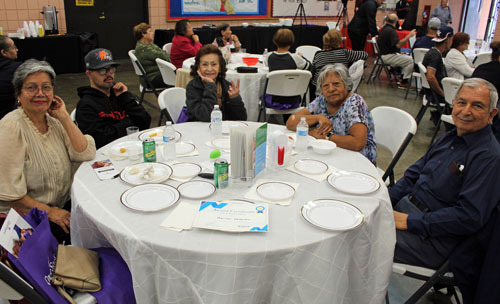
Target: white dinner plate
(196, 189)
(311, 166)
(227, 125)
(275, 191)
(222, 143)
(123, 148)
(156, 134)
(138, 174)
(182, 148)
(353, 182)
(150, 197)
(332, 214)
(185, 170)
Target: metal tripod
(342, 14)
(301, 12)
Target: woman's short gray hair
(476, 82)
(338, 69)
(31, 66)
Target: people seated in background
(147, 52)
(425, 42)
(185, 43)
(489, 71)
(338, 114)
(389, 45)
(209, 87)
(106, 108)
(451, 191)
(8, 65)
(433, 61)
(456, 63)
(225, 37)
(38, 143)
(282, 59)
(333, 52)
(443, 12)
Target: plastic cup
(131, 132)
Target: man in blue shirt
(451, 191)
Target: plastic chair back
(481, 59)
(307, 51)
(423, 72)
(356, 72)
(167, 47)
(392, 125)
(172, 99)
(450, 88)
(139, 70)
(167, 71)
(418, 54)
(73, 115)
(332, 25)
(287, 82)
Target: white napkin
(108, 153)
(316, 177)
(253, 195)
(182, 217)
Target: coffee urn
(50, 19)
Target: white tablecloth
(251, 84)
(295, 262)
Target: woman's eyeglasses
(46, 88)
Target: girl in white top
(38, 143)
(457, 64)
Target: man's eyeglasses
(46, 88)
(103, 72)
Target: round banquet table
(251, 84)
(294, 262)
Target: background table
(254, 39)
(294, 262)
(64, 52)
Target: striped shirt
(347, 57)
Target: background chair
(425, 101)
(482, 58)
(167, 47)
(307, 51)
(73, 115)
(139, 71)
(394, 129)
(418, 56)
(332, 25)
(379, 64)
(442, 277)
(450, 88)
(167, 71)
(356, 72)
(171, 102)
(285, 83)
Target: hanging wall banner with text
(217, 9)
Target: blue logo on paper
(260, 209)
(213, 204)
(259, 229)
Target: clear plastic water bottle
(302, 130)
(216, 122)
(264, 56)
(169, 141)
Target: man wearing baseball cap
(106, 108)
(433, 61)
(425, 42)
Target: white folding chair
(73, 115)
(418, 56)
(412, 41)
(167, 71)
(481, 59)
(171, 102)
(394, 129)
(379, 64)
(285, 83)
(186, 64)
(167, 47)
(425, 101)
(356, 72)
(450, 88)
(307, 51)
(139, 71)
(332, 25)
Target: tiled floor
(375, 94)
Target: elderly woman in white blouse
(457, 64)
(38, 143)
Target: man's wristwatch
(329, 134)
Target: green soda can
(149, 150)
(221, 173)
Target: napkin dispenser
(280, 149)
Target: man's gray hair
(338, 69)
(476, 82)
(31, 66)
